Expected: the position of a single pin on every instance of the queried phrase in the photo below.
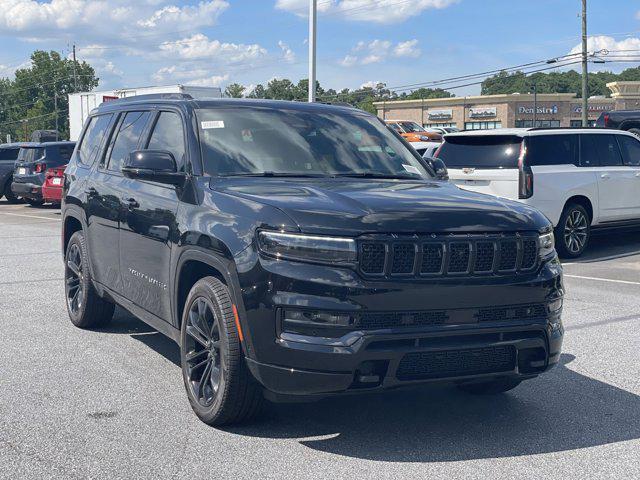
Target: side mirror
(439, 168)
(154, 166)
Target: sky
(360, 42)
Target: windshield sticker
(411, 169)
(212, 124)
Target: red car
(52, 186)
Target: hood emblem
(468, 171)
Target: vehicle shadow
(611, 244)
(559, 411)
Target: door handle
(605, 176)
(637, 175)
(91, 191)
(131, 203)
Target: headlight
(308, 248)
(546, 244)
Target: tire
(573, 231)
(635, 131)
(491, 387)
(34, 203)
(85, 307)
(220, 388)
(9, 195)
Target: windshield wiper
(376, 175)
(273, 174)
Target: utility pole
(75, 76)
(313, 10)
(585, 73)
(55, 108)
(535, 104)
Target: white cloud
(371, 84)
(627, 49)
(378, 51)
(188, 16)
(190, 75)
(407, 49)
(199, 46)
(378, 11)
(288, 54)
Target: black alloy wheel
(74, 285)
(85, 307)
(204, 354)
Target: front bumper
(461, 349)
(29, 191)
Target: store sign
(595, 108)
(440, 114)
(541, 110)
(108, 98)
(483, 112)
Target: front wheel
(491, 387)
(85, 307)
(9, 195)
(573, 231)
(220, 387)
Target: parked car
(419, 138)
(581, 179)
(444, 130)
(8, 156)
(628, 120)
(30, 169)
(52, 186)
(298, 250)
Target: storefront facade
(505, 111)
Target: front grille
(448, 255)
(457, 363)
(516, 312)
(377, 320)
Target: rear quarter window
(9, 154)
(552, 150)
(481, 151)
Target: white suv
(579, 178)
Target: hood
(356, 206)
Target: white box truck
(80, 104)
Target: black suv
(301, 250)
(8, 156)
(31, 167)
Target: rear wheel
(34, 203)
(9, 195)
(573, 231)
(85, 307)
(219, 385)
(491, 387)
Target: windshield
(412, 127)
(264, 141)
(30, 154)
(476, 151)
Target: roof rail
(152, 96)
(533, 129)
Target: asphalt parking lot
(78, 404)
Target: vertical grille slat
(454, 255)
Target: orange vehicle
(413, 132)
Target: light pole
(585, 72)
(313, 10)
(535, 104)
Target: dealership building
(513, 110)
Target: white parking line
(610, 280)
(29, 216)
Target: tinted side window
(65, 152)
(630, 150)
(607, 150)
(92, 139)
(552, 150)
(588, 151)
(127, 138)
(9, 153)
(168, 135)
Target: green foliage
(35, 92)
(555, 82)
(235, 90)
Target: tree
(257, 92)
(39, 94)
(235, 90)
